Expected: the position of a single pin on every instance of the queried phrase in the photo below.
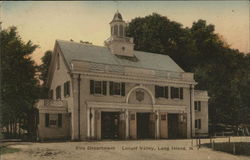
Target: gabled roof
(98, 54)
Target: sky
(43, 22)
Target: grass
(241, 148)
(5, 150)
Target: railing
(51, 103)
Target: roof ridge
(57, 40)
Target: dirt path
(122, 150)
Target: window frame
(112, 88)
(198, 124)
(164, 90)
(197, 106)
(178, 94)
(103, 87)
(58, 121)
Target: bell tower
(118, 43)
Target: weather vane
(116, 4)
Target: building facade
(116, 92)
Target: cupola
(118, 43)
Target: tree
(223, 71)
(18, 82)
(44, 69)
(157, 34)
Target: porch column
(157, 125)
(127, 124)
(193, 113)
(92, 123)
(88, 123)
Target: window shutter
(181, 93)
(68, 88)
(123, 89)
(59, 120)
(111, 88)
(91, 87)
(166, 91)
(156, 92)
(172, 92)
(46, 119)
(60, 92)
(65, 89)
(104, 87)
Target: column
(92, 123)
(157, 124)
(74, 110)
(126, 124)
(88, 123)
(193, 112)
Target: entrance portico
(131, 120)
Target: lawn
(6, 149)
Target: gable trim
(52, 64)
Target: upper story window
(66, 88)
(58, 92)
(58, 61)
(117, 88)
(198, 123)
(98, 87)
(161, 91)
(197, 105)
(176, 93)
(51, 93)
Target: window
(58, 92)
(117, 88)
(121, 31)
(51, 94)
(58, 61)
(116, 30)
(161, 91)
(197, 105)
(176, 93)
(67, 88)
(98, 87)
(53, 120)
(198, 123)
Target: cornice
(135, 79)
